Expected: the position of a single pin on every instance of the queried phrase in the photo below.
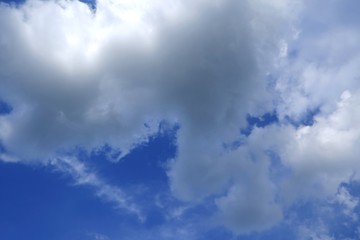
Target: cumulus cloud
(348, 201)
(74, 76)
(328, 148)
(322, 59)
(249, 206)
(319, 79)
(314, 159)
(77, 76)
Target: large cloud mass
(77, 76)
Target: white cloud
(325, 59)
(317, 158)
(8, 158)
(248, 208)
(80, 77)
(348, 201)
(326, 152)
(319, 72)
(318, 232)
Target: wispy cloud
(82, 175)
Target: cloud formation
(76, 76)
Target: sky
(179, 119)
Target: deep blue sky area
(47, 204)
(39, 203)
(145, 164)
(13, 1)
(4, 108)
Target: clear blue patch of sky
(37, 203)
(259, 121)
(141, 173)
(146, 163)
(5, 108)
(90, 3)
(16, 2)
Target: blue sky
(179, 119)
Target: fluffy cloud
(76, 76)
(250, 203)
(321, 61)
(81, 77)
(319, 75)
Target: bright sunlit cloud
(260, 100)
